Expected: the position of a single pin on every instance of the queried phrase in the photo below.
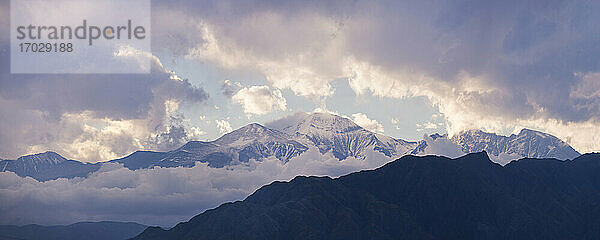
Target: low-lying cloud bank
(160, 196)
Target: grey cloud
(37, 103)
(118, 96)
(38, 108)
(34, 107)
(159, 196)
(442, 146)
(529, 50)
(175, 135)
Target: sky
(401, 68)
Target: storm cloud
(488, 65)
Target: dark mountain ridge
(417, 198)
(76, 231)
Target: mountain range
(292, 136)
(76, 231)
(428, 197)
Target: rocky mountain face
(416, 198)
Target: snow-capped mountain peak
(49, 158)
(339, 135)
(317, 123)
(251, 132)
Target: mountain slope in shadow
(81, 230)
(417, 198)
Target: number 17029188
(46, 47)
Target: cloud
(426, 126)
(159, 196)
(586, 94)
(134, 58)
(224, 126)
(290, 120)
(442, 146)
(362, 120)
(175, 136)
(306, 73)
(92, 117)
(488, 65)
(229, 88)
(396, 123)
(260, 100)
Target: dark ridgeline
(417, 198)
(77, 231)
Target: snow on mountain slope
(46, 158)
(341, 136)
(501, 149)
(286, 123)
(252, 141)
(528, 143)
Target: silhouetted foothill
(417, 198)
